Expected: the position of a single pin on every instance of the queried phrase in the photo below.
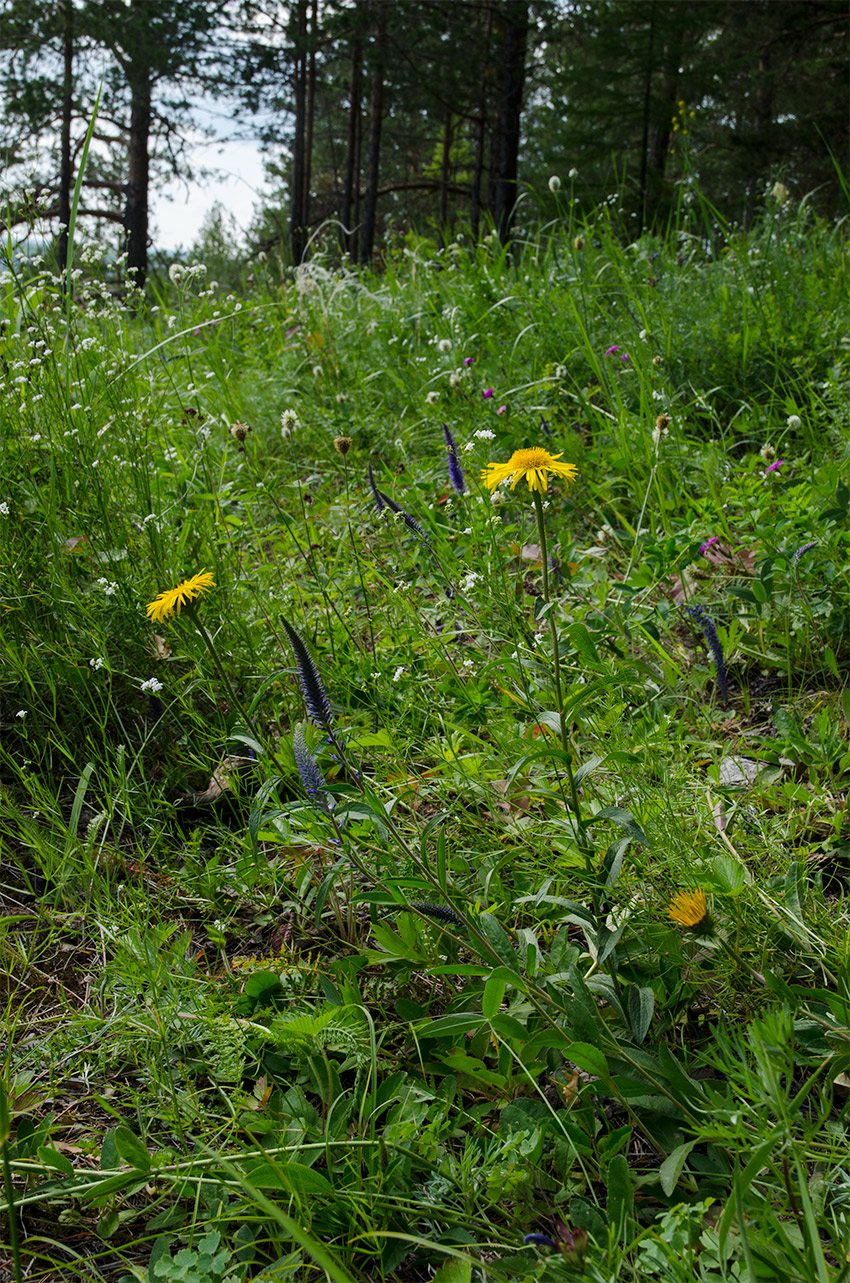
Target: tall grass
(382, 995)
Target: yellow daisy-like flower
(689, 909)
(170, 602)
(534, 464)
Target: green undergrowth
(452, 869)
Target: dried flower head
(342, 445)
(534, 464)
(578, 243)
(239, 431)
(171, 601)
(663, 422)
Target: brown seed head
(342, 445)
(663, 422)
(239, 431)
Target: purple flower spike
(455, 471)
(774, 466)
(311, 775)
(709, 543)
(713, 642)
(487, 394)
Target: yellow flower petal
(534, 464)
(688, 908)
(171, 601)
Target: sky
(178, 209)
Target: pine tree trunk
(309, 110)
(649, 71)
(66, 172)
(136, 208)
(296, 215)
(373, 150)
(347, 235)
(480, 132)
(504, 167)
(445, 173)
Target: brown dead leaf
(161, 646)
(73, 542)
(222, 778)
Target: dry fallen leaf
(222, 779)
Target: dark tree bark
(138, 157)
(65, 166)
(296, 219)
(348, 236)
(481, 131)
(373, 150)
(647, 104)
(512, 16)
(309, 112)
(445, 175)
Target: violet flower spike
(487, 393)
(455, 470)
(409, 521)
(709, 543)
(315, 695)
(312, 778)
(376, 494)
(803, 549)
(713, 641)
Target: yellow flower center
(536, 457)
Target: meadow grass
(455, 885)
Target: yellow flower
(535, 464)
(169, 603)
(689, 909)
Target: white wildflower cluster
(484, 434)
(4, 509)
(470, 581)
(432, 398)
(109, 589)
(398, 672)
(794, 422)
(96, 664)
(152, 686)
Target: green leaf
(671, 1168)
(131, 1149)
(641, 1008)
(494, 992)
(728, 875)
(620, 1194)
(588, 1058)
(295, 1178)
(54, 1160)
(454, 1271)
(498, 940)
(626, 821)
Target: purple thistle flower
(405, 516)
(487, 393)
(311, 776)
(315, 696)
(773, 467)
(455, 470)
(801, 551)
(713, 641)
(612, 351)
(467, 360)
(376, 494)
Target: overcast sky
(178, 209)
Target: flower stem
(189, 607)
(583, 840)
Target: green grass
(247, 1038)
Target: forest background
(422, 115)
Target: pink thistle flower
(610, 351)
(774, 466)
(487, 394)
(467, 360)
(502, 409)
(705, 547)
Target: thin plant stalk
(219, 668)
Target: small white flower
(398, 672)
(560, 371)
(468, 530)
(432, 398)
(644, 334)
(470, 445)
(152, 685)
(794, 422)
(176, 273)
(288, 422)
(454, 379)
(4, 509)
(21, 713)
(317, 371)
(484, 434)
(468, 663)
(96, 664)
(445, 345)
(554, 184)
(470, 581)
(573, 173)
